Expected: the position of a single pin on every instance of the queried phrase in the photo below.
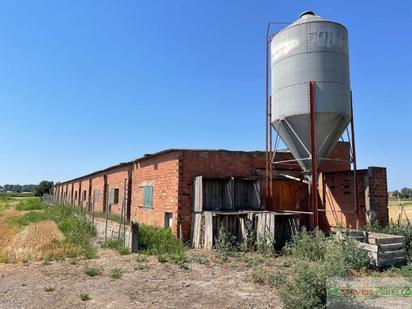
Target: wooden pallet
(278, 226)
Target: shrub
(305, 289)
(225, 244)
(116, 244)
(338, 255)
(93, 271)
(76, 229)
(30, 204)
(160, 242)
(307, 245)
(259, 275)
(265, 244)
(49, 289)
(116, 273)
(343, 255)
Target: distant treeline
(18, 188)
(44, 187)
(402, 193)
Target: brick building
(157, 189)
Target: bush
(75, 229)
(265, 244)
(160, 242)
(337, 254)
(305, 289)
(116, 244)
(307, 245)
(30, 204)
(343, 255)
(225, 244)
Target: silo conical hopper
(310, 49)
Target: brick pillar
(376, 195)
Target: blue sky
(88, 84)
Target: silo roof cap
(307, 13)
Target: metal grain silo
(311, 52)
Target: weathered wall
(115, 180)
(162, 173)
(337, 198)
(84, 198)
(98, 192)
(213, 164)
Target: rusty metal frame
(314, 157)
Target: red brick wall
(76, 198)
(84, 184)
(212, 164)
(378, 194)
(336, 196)
(98, 185)
(115, 180)
(162, 173)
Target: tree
(44, 187)
(406, 193)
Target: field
(51, 259)
(396, 210)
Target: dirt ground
(144, 284)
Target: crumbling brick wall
(336, 196)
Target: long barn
(159, 189)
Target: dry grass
(36, 241)
(395, 210)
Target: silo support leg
(314, 161)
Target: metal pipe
(355, 178)
(314, 167)
(267, 114)
(271, 154)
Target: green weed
(160, 242)
(84, 297)
(116, 244)
(116, 273)
(93, 271)
(26, 219)
(225, 244)
(30, 204)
